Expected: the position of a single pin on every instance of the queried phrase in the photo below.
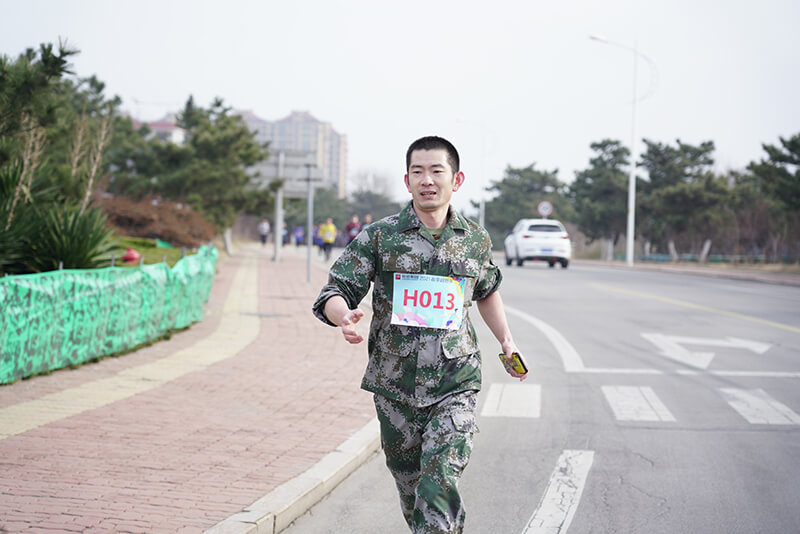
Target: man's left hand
(509, 349)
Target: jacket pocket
(395, 341)
(460, 343)
(401, 263)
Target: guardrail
(61, 318)
(758, 259)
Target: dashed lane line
(563, 494)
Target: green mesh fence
(60, 318)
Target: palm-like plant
(65, 236)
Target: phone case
(517, 364)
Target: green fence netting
(60, 318)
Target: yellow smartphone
(516, 364)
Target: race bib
(429, 301)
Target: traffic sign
(545, 208)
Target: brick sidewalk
(183, 434)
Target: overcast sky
(509, 82)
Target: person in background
(317, 238)
(367, 221)
(263, 230)
(352, 229)
(298, 234)
(327, 233)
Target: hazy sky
(509, 82)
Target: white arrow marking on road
(672, 347)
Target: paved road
(246, 419)
(660, 402)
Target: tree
(26, 87)
(208, 172)
(682, 197)
(376, 204)
(44, 194)
(370, 181)
(519, 194)
(777, 178)
(215, 181)
(371, 196)
(600, 193)
(779, 175)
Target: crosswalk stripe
(757, 407)
(637, 403)
(634, 403)
(513, 400)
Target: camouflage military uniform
(425, 380)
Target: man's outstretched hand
(348, 325)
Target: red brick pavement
(186, 455)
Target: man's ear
(405, 180)
(458, 180)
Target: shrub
(64, 234)
(177, 224)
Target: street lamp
(630, 233)
(309, 218)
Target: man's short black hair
(433, 142)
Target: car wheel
(551, 264)
(509, 259)
(520, 261)
(564, 263)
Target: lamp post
(309, 219)
(279, 209)
(631, 227)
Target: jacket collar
(409, 220)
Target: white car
(538, 239)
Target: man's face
(430, 179)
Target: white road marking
(690, 372)
(633, 403)
(563, 494)
(759, 408)
(573, 363)
(513, 400)
(621, 371)
(673, 347)
(569, 356)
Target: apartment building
(301, 131)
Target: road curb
(277, 509)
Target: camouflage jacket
(415, 365)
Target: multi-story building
(301, 131)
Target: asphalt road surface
(657, 403)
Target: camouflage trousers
(426, 451)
